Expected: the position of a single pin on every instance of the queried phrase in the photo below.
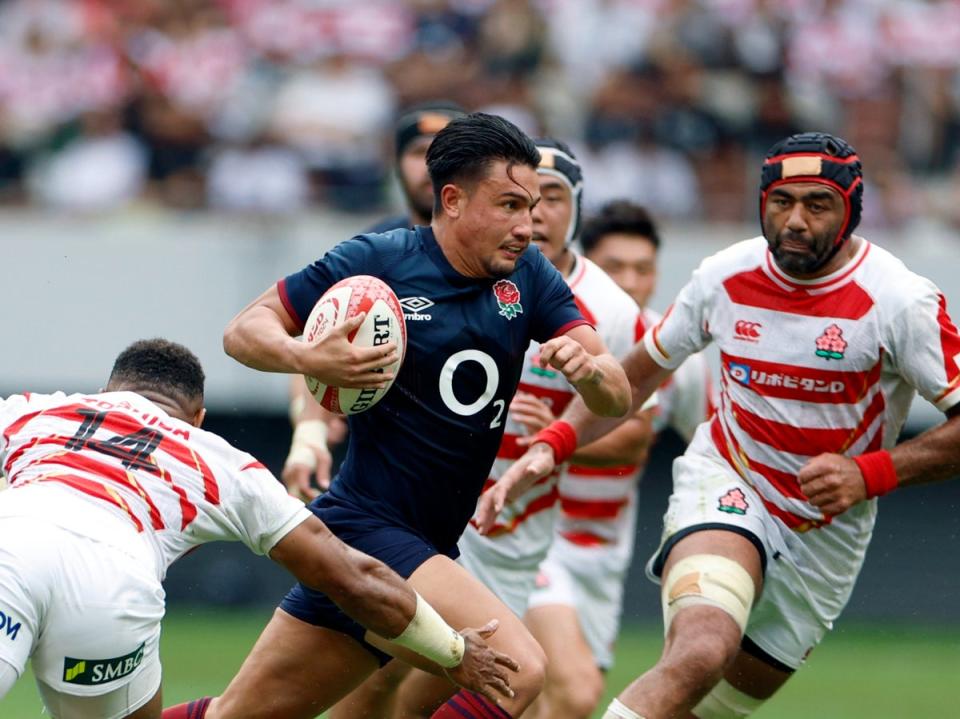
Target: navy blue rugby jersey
(421, 455)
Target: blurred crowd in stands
(282, 105)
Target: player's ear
(452, 198)
(198, 418)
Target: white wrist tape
(309, 436)
(617, 710)
(428, 635)
(297, 405)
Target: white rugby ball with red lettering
(384, 323)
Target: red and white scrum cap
(816, 157)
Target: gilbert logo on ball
(384, 323)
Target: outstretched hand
(531, 412)
(297, 474)
(483, 668)
(537, 462)
(334, 361)
(833, 483)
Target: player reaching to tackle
(824, 338)
(574, 610)
(417, 460)
(108, 489)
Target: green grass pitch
(859, 672)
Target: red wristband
(879, 474)
(562, 438)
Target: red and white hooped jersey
(525, 527)
(598, 505)
(114, 466)
(807, 367)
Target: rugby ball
(384, 323)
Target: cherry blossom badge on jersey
(831, 345)
(508, 297)
(734, 502)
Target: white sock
(617, 710)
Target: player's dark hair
(618, 216)
(161, 366)
(463, 151)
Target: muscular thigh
(463, 601)
(295, 670)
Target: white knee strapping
(725, 701)
(708, 579)
(8, 677)
(617, 710)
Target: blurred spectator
(259, 176)
(102, 168)
(335, 113)
(278, 105)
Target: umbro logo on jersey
(747, 331)
(413, 308)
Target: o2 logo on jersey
(492, 373)
(740, 372)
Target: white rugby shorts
(510, 578)
(809, 576)
(86, 613)
(590, 580)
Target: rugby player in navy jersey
(418, 460)
(309, 458)
(316, 429)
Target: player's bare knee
(528, 683)
(578, 696)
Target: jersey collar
(819, 284)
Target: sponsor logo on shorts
(9, 627)
(831, 345)
(413, 308)
(734, 502)
(90, 672)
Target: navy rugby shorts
(398, 547)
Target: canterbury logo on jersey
(413, 308)
(749, 331)
(90, 672)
